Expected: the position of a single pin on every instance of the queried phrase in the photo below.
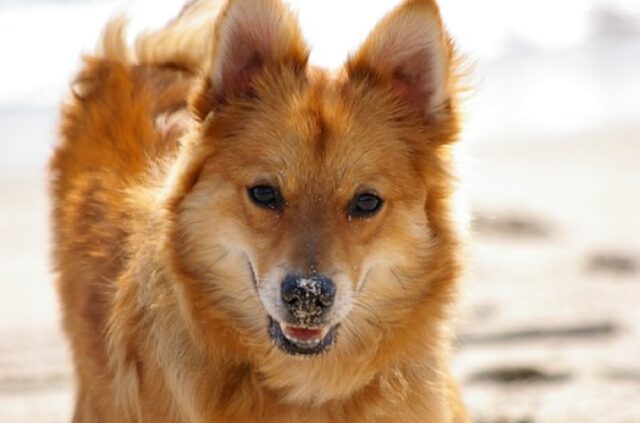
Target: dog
(242, 237)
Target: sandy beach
(549, 317)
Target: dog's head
(311, 208)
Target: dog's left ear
(251, 36)
(410, 52)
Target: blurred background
(550, 317)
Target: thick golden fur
(155, 239)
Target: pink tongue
(303, 334)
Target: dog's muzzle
(308, 300)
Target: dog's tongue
(303, 334)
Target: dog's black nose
(308, 297)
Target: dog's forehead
(319, 135)
(345, 135)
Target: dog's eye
(365, 205)
(265, 196)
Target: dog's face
(307, 218)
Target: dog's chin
(298, 340)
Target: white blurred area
(552, 122)
(577, 60)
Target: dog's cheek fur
(206, 254)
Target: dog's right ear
(250, 36)
(409, 52)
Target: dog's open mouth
(301, 340)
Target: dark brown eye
(365, 205)
(265, 196)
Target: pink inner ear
(238, 78)
(413, 81)
(244, 60)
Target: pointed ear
(410, 52)
(251, 35)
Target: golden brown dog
(241, 237)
